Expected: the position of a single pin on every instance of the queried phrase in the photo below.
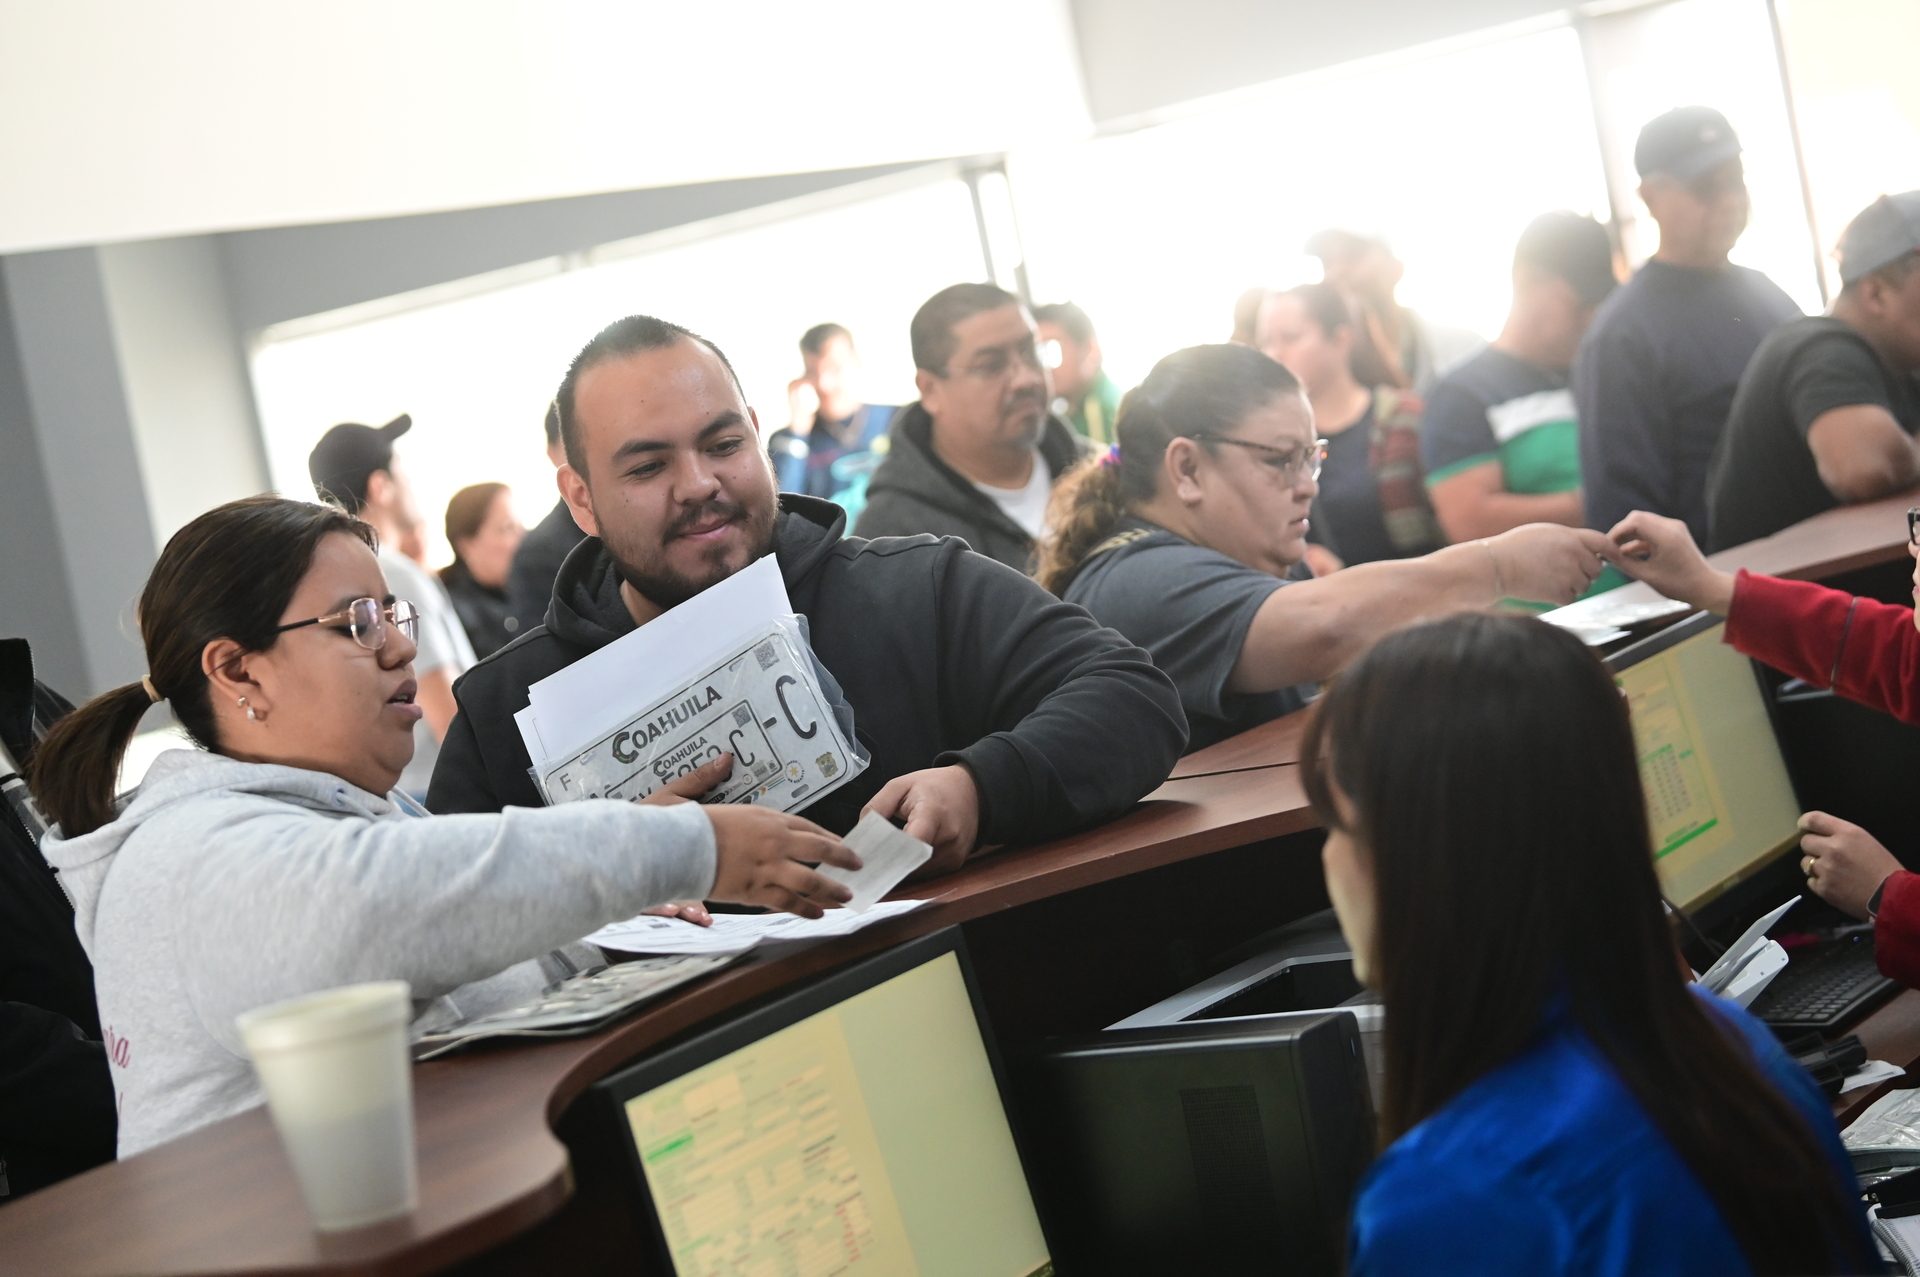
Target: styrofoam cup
(339, 1083)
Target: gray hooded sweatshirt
(225, 886)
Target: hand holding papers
(888, 855)
(728, 671)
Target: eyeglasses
(1291, 464)
(996, 362)
(367, 620)
(1913, 526)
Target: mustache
(728, 511)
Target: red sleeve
(1864, 650)
(1896, 930)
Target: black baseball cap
(1570, 247)
(1882, 233)
(348, 454)
(1685, 143)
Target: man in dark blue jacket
(1656, 372)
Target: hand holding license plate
(762, 704)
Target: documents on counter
(734, 933)
(581, 1005)
(728, 671)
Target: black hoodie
(945, 657)
(914, 491)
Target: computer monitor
(1216, 1146)
(857, 1126)
(1719, 800)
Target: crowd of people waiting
(1004, 577)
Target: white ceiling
(133, 119)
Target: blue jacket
(1549, 1165)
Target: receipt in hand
(889, 855)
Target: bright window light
(1155, 233)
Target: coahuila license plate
(763, 705)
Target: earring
(251, 716)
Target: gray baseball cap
(1883, 232)
(1685, 142)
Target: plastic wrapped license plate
(762, 705)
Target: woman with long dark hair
(1182, 535)
(1557, 1099)
(278, 858)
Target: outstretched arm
(1313, 629)
(1864, 650)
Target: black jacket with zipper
(944, 655)
(913, 491)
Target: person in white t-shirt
(976, 457)
(354, 466)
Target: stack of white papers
(728, 672)
(738, 932)
(593, 695)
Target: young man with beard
(993, 712)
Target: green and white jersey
(1496, 407)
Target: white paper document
(888, 855)
(1872, 1073)
(1721, 974)
(594, 694)
(738, 932)
(727, 671)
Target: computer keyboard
(1824, 987)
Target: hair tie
(1111, 457)
(153, 693)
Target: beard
(646, 569)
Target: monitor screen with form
(1719, 800)
(866, 1138)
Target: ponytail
(228, 574)
(1086, 503)
(1199, 391)
(75, 767)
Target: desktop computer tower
(1223, 1146)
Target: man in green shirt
(1083, 393)
(1500, 438)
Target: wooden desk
(1225, 848)
(223, 1199)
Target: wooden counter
(223, 1199)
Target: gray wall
(35, 601)
(183, 371)
(99, 531)
(1139, 56)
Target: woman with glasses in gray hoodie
(277, 860)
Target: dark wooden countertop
(223, 1199)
